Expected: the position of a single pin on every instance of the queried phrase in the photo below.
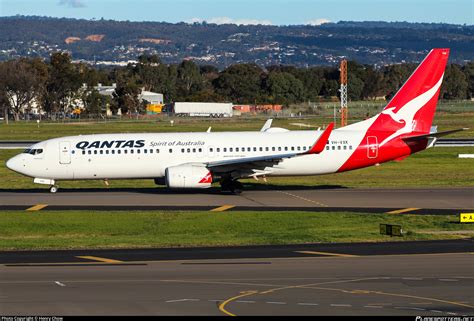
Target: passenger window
(338, 147)
(218, 150)
(131, 151)
(345, 147)
(267, 149)
(83, 152)
(333, 147)
(95, 152)
(119, 151)
(113, 151)
(273, 148)
(189, 150)
(200, 150)
(255, 149)
(138, 151)
(327, 147)
(279, 148)
(125, 151)
(236, 149)
(157, 151)
(171, 150)
(286, 148)
(292, 148)
(225, 149)
(107, 151)
(261, 149)
(145, 151)
(151, 151)
(299, 148)
(182, 150)
(101, 152)
(249, 149)
(350, 146)
(194, 150)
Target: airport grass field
(90, 229)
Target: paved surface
(436, 200)
(440, 284)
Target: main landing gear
(230, 185)
(53, 188)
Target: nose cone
(14, 164)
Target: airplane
(196, 160)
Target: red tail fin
(412, 109)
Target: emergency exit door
(372, 147)
(64, 153)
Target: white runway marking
(59, 283)
(182, 300)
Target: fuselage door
(64, 153)
(372, 147)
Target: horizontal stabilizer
(433, 135)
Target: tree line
(59, 84)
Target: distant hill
(377, 43)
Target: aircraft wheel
(236, 187)
(53, 189)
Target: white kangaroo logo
(407, 112)
(394, 116)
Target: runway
(433, 278)
(413, 201)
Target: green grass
(89, 229)
(436, 167)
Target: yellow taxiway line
(222, 208)
(100, 259)
(326, 253)
(37, 207)
(404, 210)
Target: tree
(468, 70)
(240, 83)
(283, 88)
(94, 103)
(22, 82)
(189, 79)
(125, 96)
(63, 83)
(455, 84)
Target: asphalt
(409, 278)
(327, 199)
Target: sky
(275, 12)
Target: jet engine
(188, 176)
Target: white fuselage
(126, 156)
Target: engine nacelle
(188, 176)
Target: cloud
(72, 3)
(317, 22)
(227, 20)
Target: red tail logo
(412, 109)
(409, 113)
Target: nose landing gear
(53, 188)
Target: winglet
(267, 125)
(318, 146)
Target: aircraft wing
(260, 162)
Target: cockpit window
(33, 151)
